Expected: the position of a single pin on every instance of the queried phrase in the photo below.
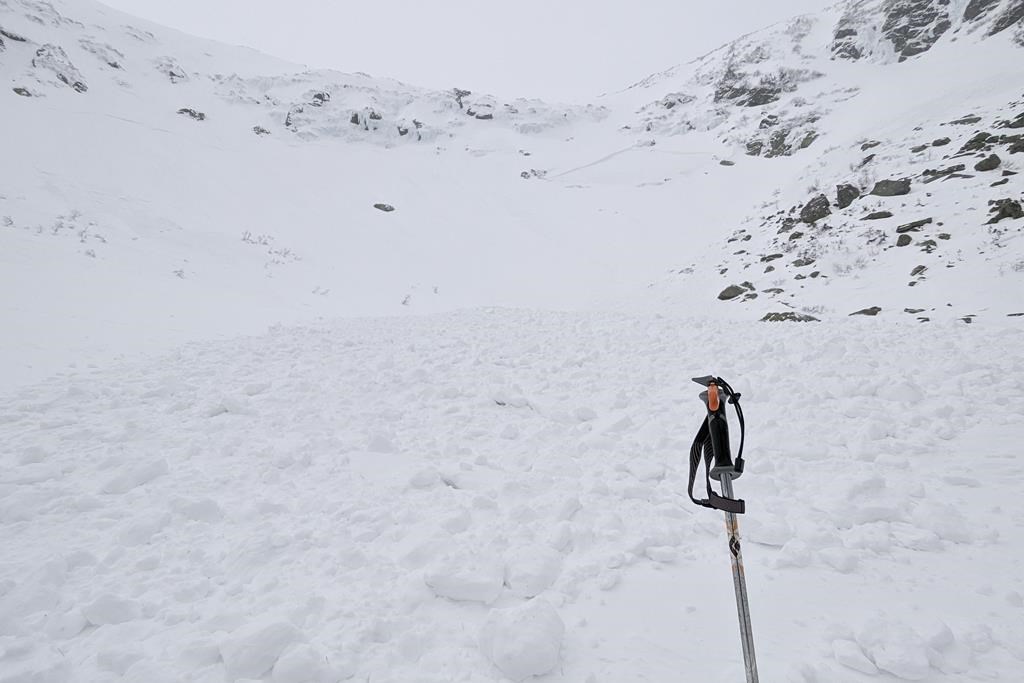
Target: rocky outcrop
(53, 58)
(913, 26)
(891, 188)
(846, 194)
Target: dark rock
(869, 144)
(1018, 122)
(1014, 14)
(260, 130)
(874, 310)
(978, 142)
(53, 58)
(999, 183)
(928, 246)
(931, 175)
(1009, 173)
(1014, 315)
(374, 116)
(975, 8)
(1005, 208)
(918, 270)
(768, 121)
(13, 36)
(796, 235)
(903, 240)
(891, 188)
(754, 148)
(23, 92)
(354, 119)
(801, 276)
(815, 210)
(788, 316)
(320, 99)
(918, 148)
(815, 274)
(402, 132)
(913, 227)
(941, 142)
(774, 290)
(731, 292)
(726, 162)
(386, 208)
(770, 257)
(459, 94)
(913, 311)
(866, 160)
(965, 121)
(803, 262)
(913, 26)
(192, 113)
(846, 195)
(944, 236)
(875, 215)
(808, 140)
(989, 163)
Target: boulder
(874, 310)
(891, 188)
(989, 163)
(815, 210)
(876, 215)
(903, 240)
(788, 316)
(1005, 208)
(845, 195)
(915, 226)
(386, 208)
(731, 292)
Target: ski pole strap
(702, 447)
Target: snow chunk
(303, 664)
(253, 650)
(524, 641)
(895, 648)
(135, 477)
(466, 577)
(849, 654)
(109, 609)
(533, 570)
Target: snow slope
(362, 497)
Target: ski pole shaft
(740, 584)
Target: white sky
(555, 49)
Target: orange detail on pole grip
(713, 397)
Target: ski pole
(712, 442)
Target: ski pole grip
(718, 432)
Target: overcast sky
(555, 49)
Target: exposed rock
(320, 98)
(903, 240)
(24, 92)
(874, 310)
(788, 316)
(978, 142)
(891, 188)
(386, 208)
(876, 215)
(169, 67)
(11, 35)
(931, 175)
(108, 54)
(770, 257)
(1005, 208)
(731, 292)
(869, 144)
(1013, 14)
(192, 113)
(1000, 183)
(913, 227)
(726, 162)
(989, 163)
(918, 148)
(846, 195)
(913, 311)
(1017, 122)
(965, 121)
(918, 270)
(976, 8)
(742, 90)
(940, 142)
(796, 235)
(913, 26)
(928, 246)
(944, 236)
(815, 210)
(803, 262)
(260, 130)
(54, 59)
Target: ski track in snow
(366, 498)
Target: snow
(254, 429)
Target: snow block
(531, 571)
(135, 477)
(303, 664)
(109, 609)
(524, 641)
(466, 578)
(253, 650)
